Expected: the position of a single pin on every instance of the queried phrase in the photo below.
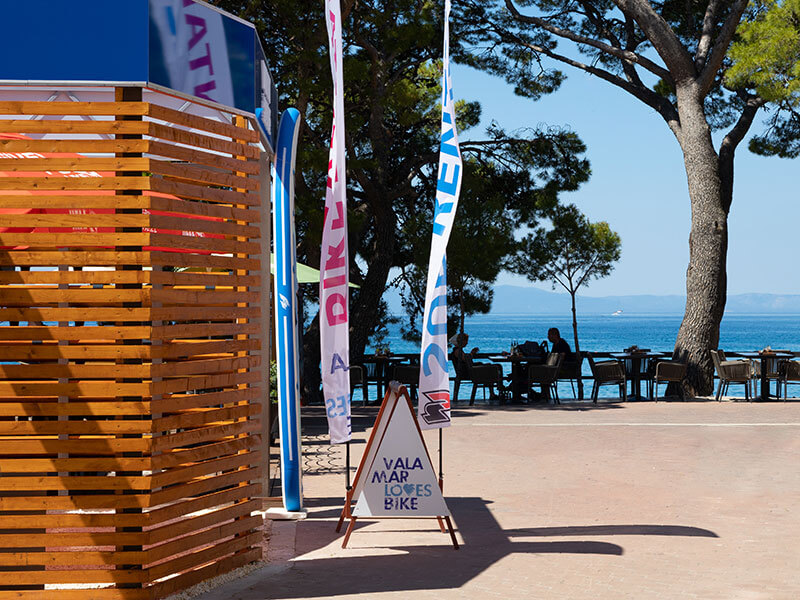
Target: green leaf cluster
(766, 55)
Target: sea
(495, 333)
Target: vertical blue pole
(286, 326)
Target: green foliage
(766, 57)
(510, 183)
(572, 252)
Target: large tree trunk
(706, 277)
(364, 312)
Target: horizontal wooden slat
(81, 594)
(205, 417)
(81, 146)
(203, 175)
(204, 486)
(176, 458)
(82, 371)
(203, 556)
(78, 521)
(29, 126)
(73, 220)
(101, 446)
(220, 211)
(72, 427)
(189, 313)
(60, 240)
(71, 558)
(191, 505)
(197, 192)
(176, 403)
(192, 577)
(204, 226)
(32, 332)
(202, 435)
(108, 500)
(195, 156)
(39, 408)
(15, 107)
(78, 163)
(185, 526)
(170, 386)
(205, 142)
(195, 122)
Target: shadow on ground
(435, 566)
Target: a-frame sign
(395, 478)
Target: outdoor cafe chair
(666, 371)
(571, 371)
(732, 371)
(408, 375)
(789, 371)
(546, 376)
(608, 372)
(480, 375)
(358, 378)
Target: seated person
(559, 344)
(463, 364)
(461, 360)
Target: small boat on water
(616, 313)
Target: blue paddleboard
(286, 326)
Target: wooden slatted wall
(131, 380)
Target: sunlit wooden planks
(131, 382)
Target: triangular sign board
(396, 477)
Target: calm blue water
(606, 333)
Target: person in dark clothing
(558, 344)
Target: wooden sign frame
(395, 394)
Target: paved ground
(642, 500)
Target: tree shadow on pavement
(434, 566)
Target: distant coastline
(519, 300)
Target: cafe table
(767, 358)
(519, 372)
(383, 368)
(635, 372)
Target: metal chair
(485, 376)
(789, 371)
(479, 374)
(546, 376)
(408, 375)
(608, 372)
(571, 370)
(358, 378)
(732, 371)
(666, 371)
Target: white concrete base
(281, 514)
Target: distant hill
(510, 299)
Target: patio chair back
(608, 372)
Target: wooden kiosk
(134, 317)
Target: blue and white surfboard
(286, 326)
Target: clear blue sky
(638, 186)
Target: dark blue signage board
(186, 46)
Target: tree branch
(714, 61)
(661, 105)
(627, 56)
(704, 45)
(664, 40)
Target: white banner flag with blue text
(333, 262)
(434, 380)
